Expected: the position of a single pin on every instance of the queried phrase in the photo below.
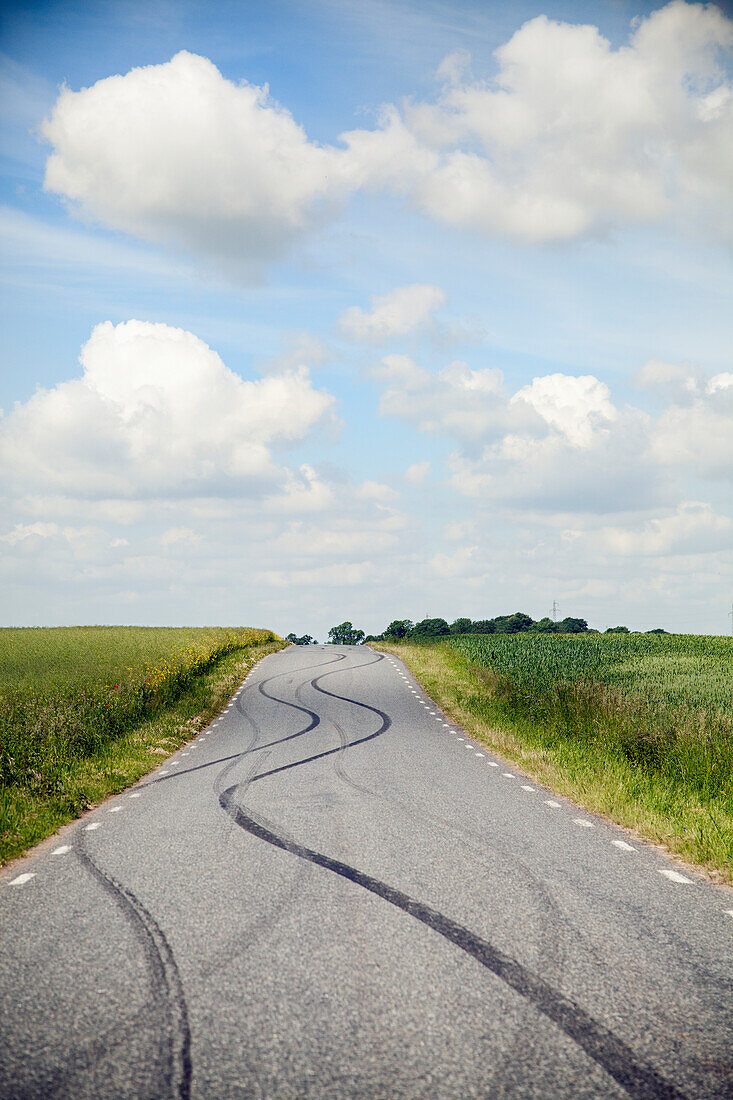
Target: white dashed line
(623, 845)
(549, 802)
(115, 809)
(525, 787)
(93, 825)
(479, 754)
(582, 821)
(674, 876)
(508, 775)
(135, 795)
(493, 764)
(22, 878)
(459, 738)
(728, 912)
(62, 850)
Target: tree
(304, 640)
(345, 634)
(484, 626)
(513, 624)
(461, 626)
(572, 626)
(399, 628)
(545, 626)
(617, 630)
(656, 630)
(431, 628)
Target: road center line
(26, 877)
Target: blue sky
(375, 320)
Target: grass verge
(78, 781)
(576, 752)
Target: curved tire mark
(166, 983)
(599, 1043)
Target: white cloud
(456, 400)
(403, 310)
(23, 531)
(179, 535)
(674, 379)
(557, 443)
(698, 436)
(459, 564)
(417, 472)
(723, 381)
(376, 490)
(693, 527)
(570, 135)
(574, 406)
(176, 154)
(157, 413)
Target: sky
(320, 310)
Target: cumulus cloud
(568, 137)
(417, 472)
(693, 527)
(403, 310)
(155, 413)
(571, 135)
(456, 400)
(572, 405)
(697, 436)
(177, 154)
(560, 442)
(557, 443)
(462, 563)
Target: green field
(637, 727)
(42, 660)
(673, 670)
(82, 709)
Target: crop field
(42, 660)
(71, 699)
(636, 726)
(692, 671)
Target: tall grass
(67, 694)
(664, 704)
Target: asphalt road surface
(332, 892)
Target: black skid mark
(599, 1043)
(386, 722)
(167, 987)
(314, 718)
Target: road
(333, 892)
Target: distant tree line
(517, 623)
(403, 629)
